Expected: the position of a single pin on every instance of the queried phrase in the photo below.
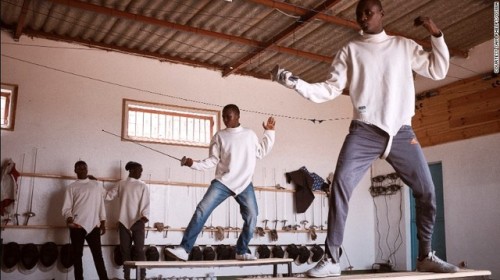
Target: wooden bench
(463, 274)
(137, 265)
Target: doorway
(438, 237)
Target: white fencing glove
(284, 77)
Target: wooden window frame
(10, 105)
(174, 111)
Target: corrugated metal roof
(246, 37)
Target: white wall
(67, 96)
(471, 176)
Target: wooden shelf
(163, 183)
(21, 227)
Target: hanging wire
(79, 22)
(172, 96)
(243, 21)
(348, 261)
(377, 227)
(388, 225)
(388, 185)
(400, 235)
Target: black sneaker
(434, 264)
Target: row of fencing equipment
(10, 192)
(29, 255)
(300, 254)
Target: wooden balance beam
(463, 274)
(137, 265)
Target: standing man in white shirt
(377, 70)
(234, 152)
(134, 212)
(83, 209)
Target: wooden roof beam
(346, 23)
(162, 23)
(306, 18)
(20, 21)
(107, 47)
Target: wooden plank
(429, 130)
(481, 96)
(474, 81)
(476, 118)
(444, 94)
(461, 134)
(217, 263)
(463, 273)
(166, 183)
(420, 275)
(137, 265)
(475, 107)
(432, 113)
(427, 121)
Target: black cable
(388, 226)
(377, 227)
(400, 235)
(170, 96)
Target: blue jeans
(215, 195)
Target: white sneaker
(246, 257)
(178, 253)
(324, 268)
(434, 264)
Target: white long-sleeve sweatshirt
(134, 200)
(377, 70)
(235, 152)
(84, 201)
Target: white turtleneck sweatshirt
(377, 70)
(84, 201)
(134, 200)
(235, 152)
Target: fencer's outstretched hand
(185, 161)
(284, 77)
(270, 124)
(428, 24)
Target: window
(168, 124)
(8, 103)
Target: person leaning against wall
(377, 70)
(133, 195)
(83, 209)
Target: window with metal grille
(168, 124)
(8, 106)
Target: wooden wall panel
(458, 111)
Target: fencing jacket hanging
(303, 183)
